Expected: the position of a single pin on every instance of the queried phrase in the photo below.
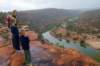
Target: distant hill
(90, 21)
(39, 19)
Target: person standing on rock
(15, 37)
(13, 29)
(24, 40)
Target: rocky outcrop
(45, 55)
(5, 54)
(70, 57)
(32, 35)
(16, 59)
(1, 41)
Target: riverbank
(93, 43)
(91, 40)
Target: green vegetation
(83, 45)
(4, 35)
(97, 59)
(2, 15)
(51, 27)
(70, 24)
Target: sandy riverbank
(91, 40)
(93, 43)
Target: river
(83, 48)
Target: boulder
(17, 59)
(32, 35)
(5, 55)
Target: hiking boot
(30, 64)
(17, 52)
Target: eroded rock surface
(5, 54)
(45, 55)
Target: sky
(8, 5)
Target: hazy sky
(6, 5)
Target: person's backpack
(8, 20)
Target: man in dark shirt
(24, 42)
(15, 37)
(25, 46)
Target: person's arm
(6, 21)
(28, 40)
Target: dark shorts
(16, 44)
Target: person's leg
(16, 45)
(27, 57)
(9, 25)
(13, 43)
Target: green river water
(83, 48)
